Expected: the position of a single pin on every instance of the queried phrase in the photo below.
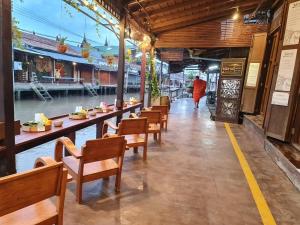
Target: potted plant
(62, 47)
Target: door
(268, 82)
(253, 73)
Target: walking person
(199, 90)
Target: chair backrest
(102, 149)
(18, 191)
(133, 126)
(163, 108)
(153, 116)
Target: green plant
(155, 92)
(62, 40)
(16, 34)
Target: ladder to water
(92, 92)
(40, 91)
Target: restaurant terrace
(192, 118)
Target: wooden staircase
(91, 91)
(40, 91)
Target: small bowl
(58, 123)
(92, 113)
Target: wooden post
(160, 76)
(151, 73)
(143, 77)
(7, 153)
(121, 67)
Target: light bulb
(236, 15)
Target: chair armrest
(66, 143)
(107, 135)
(133, 115)
(111, 125)
(44, 161)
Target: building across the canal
(38, 63)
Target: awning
(64, 57)
(28, 51)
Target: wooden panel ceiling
(214, 34)
(160, 16)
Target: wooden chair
(134, 130)
(24, 197)
(165, 111)
(154, 118)
(95, 161)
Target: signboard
(292, 30)
(252, 74)
(17, 65)
(172, 55)
(280, 98)
(232, 68)
(286, 70)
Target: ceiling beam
(147, 4)
(196, 20)
(178, 6)
(218, 7)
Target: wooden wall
(213, 34)
(107, 78)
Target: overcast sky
(49, 17)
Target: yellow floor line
(261, 204)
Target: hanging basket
(85, 53)
(62, 48)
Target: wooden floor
(194, 178)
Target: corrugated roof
(64, 57)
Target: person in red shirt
(199, 90)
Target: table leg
(99, 127)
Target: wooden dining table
(27, 140)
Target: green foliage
(61, 40)
(190, 75)
(155, 92)
(16, 34)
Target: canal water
(25, 110)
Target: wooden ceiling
(159, 16)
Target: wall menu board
(280, 98)
(232, 68)
(286, 70)
(292, 30)
(252, 74)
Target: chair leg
(155, 136)
(135, 150)
(159, 137)
(118, 182)
(79, 192)
(166, 127)
(145, 153)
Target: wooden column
(7, 154)
(151, 73)
(121, 67)
(143, 77)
